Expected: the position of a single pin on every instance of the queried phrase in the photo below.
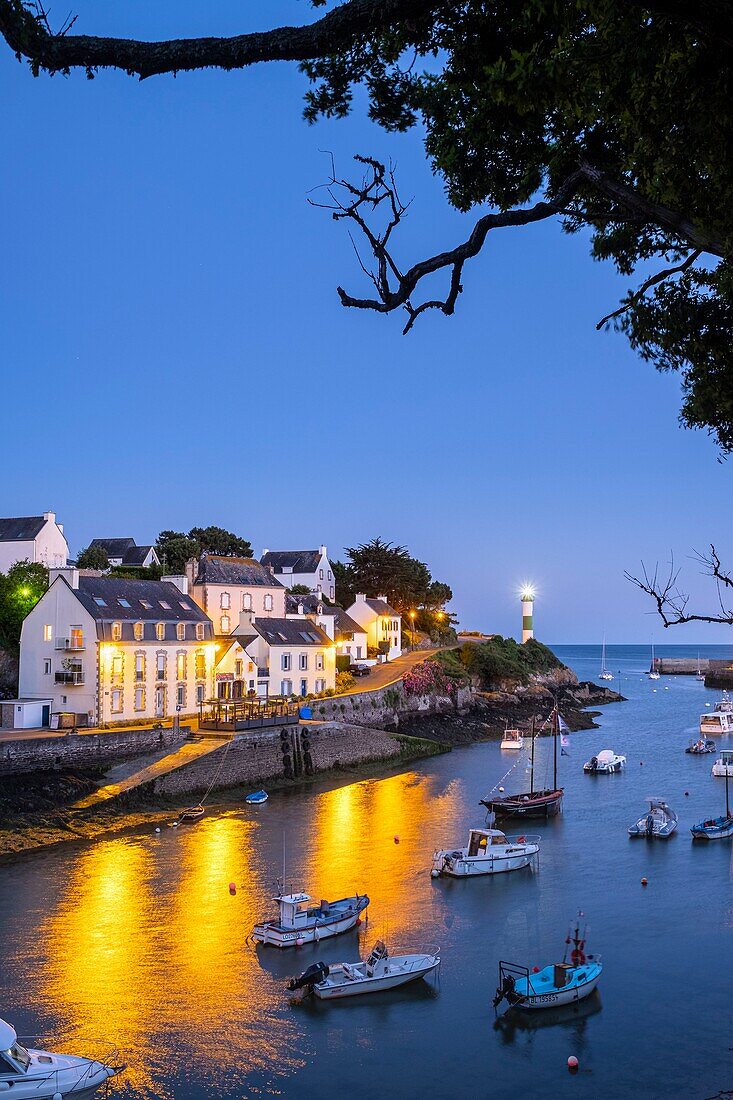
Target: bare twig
(672, 604)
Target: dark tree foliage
(20, 590)
(613, 116)
(93, 557)
(380, 568)
(175, 548)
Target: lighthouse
(527, 598)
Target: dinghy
(488, 852)
(298, 923)
(28, 1073)
(702, 746)
(256, 798)
(718, 828)
(605, 763)
(193, 813)
(379, 972)
(562, 983)
(660, 821)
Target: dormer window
(160, 631)
(116, 632)
(181, 632)
(199, 632)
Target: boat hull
(377, 984)
(316, 929)
(543, 804)
(719, 829)
(469, 867)
(560, 997)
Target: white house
(383, 625)
(35, 539)
(226, 587)
(307, 567)
(275, 657)
(350, 638)
(126, 553)
(115, 651)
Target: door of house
(45, 715)
(160, 702)
(303, 687)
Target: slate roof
(216, 569)
(114, 548)
(381, 607)
(296, 632)
(101, 597)
(308, 603)
(344, 624)
(299, 561)
(136, 555)
(20, 529)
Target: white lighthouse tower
(527, 598)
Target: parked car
(360, 670)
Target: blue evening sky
(175, 352)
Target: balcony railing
(70, 643)
(69, 677)
(243, 714)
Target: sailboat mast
(555, 724)
(727, 803)
(531, 765)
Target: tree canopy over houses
(613, 116)
(176, 548)
(20, 590)
(381, 568)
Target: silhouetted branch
(672, 604)
(650, 282)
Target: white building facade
(227, 588)
(113, 651)
(33, 538)
(310, 568)
(276, 657)
(383, 625)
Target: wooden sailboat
(543, 803)
(718, 828)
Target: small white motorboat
(605, 763)
(701, 747)
(512, 739)
(563, 983)
(298, 923)
(660, 821)
(379, 972)
(488, 852)
(719, 719)
(27, 1072)
(723, 766)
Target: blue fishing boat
(256, 797)
(562, 983)
(718, 828)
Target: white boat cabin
(294, 910)
(716, 721)
(481, 839)
(512, 739)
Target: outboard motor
(593, 763)
(316, 972)
(506, 989)
(649, 825)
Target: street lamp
(412, 630)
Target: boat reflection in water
(571, 1017)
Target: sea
(136, 940)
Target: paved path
(389, 673)
(127, 776)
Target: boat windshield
(18, 1054)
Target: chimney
(50, 517)
(360, 597)
(69, 573)
(383, 599)
(265, 551)
(246, 619)
(181, 582)
(323, 552)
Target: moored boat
(607, 762)
(489, 852)
(701, 747)
(299, 923)
(653, 670)
(719, 719)
(605, 673)
(718, 828)
(723, 766)
(660, 821)
(562, 983)
(185, 817)
(28, 1072)
(544, 803)
(381, 971)
(512, 740)
(255, 798)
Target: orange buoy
(232, 887)
(644, 882)
(573, 1064)
(396, 840)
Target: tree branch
(672, 604)
(29, 36)
(650, 282)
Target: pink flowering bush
(428, 678)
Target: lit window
(117, 670)
(116, 702)
(160, 631)
(139, 698)
(226, 601)
(139, 666)
(200, 666)
(46, 668)
(48, 633)
(224, 624)
(181, 631)
(180, 666)
(139, 631)
(116, 632)
(199, 632)
(160, 665)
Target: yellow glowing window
(48, 633)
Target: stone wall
(383, 706)
(260, 756)
(83, 749)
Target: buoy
(232, 887)
(57, 1096)
(434, 873)
(687, 794)
(157, 828)
(644, 882)
(573, 1064)
(501, 790)
(396, 840)
(535, 969)
(299, 942)
(641, 763)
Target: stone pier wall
(83, 750)
(384, 706)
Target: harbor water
(136, 938)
